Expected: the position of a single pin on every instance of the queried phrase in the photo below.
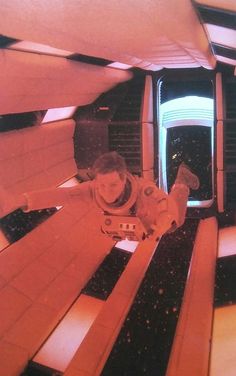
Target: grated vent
(129, 108)
(125, 138)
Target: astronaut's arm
(42, 199)
(166, 222)
(10, 202)
(56, 197)
(158, 211)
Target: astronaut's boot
(187, 177)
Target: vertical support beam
(219, 143)
(191, 347)
(147, 131)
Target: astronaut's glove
(163, 224)
(10, 202)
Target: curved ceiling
(78, 42)
(147, 34)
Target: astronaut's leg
(179, 193)
(185, 181)
(187, 177)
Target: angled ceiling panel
(32, 82)
(146, 34)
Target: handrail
(191, 346)
(96, 347)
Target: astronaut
(133, 207)
(119, 193)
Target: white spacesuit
(142, 208)
(146, 210)
(138, 209)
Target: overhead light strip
(216, 16)
(27, 46)
(224, 51)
